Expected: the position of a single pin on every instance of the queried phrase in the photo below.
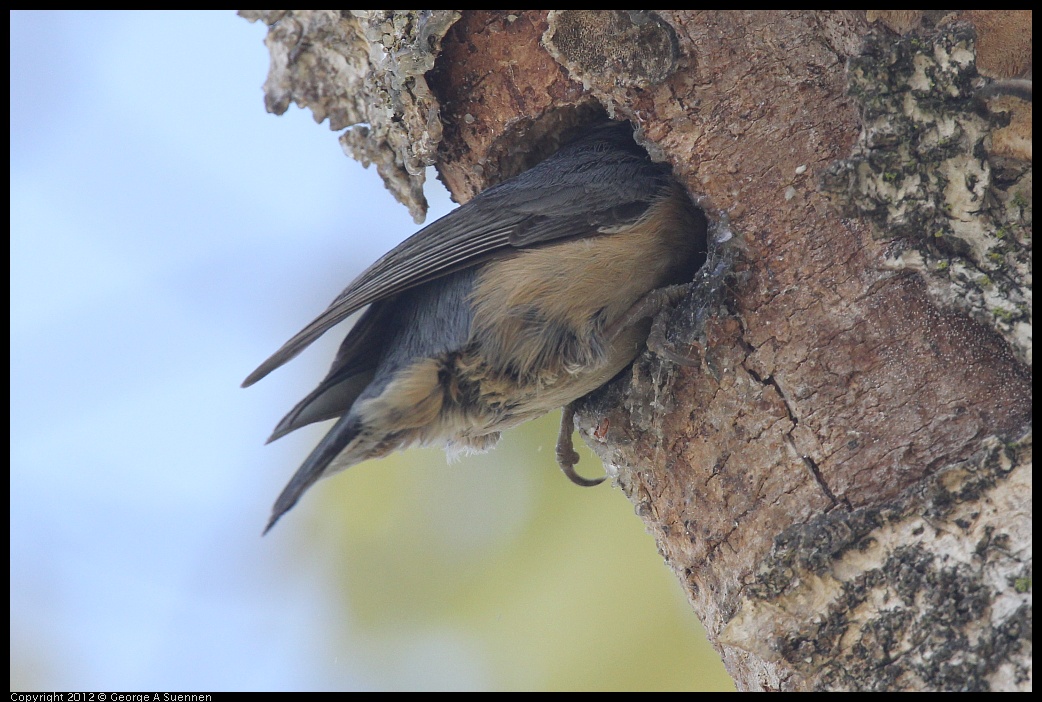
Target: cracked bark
(842, 482)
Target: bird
(529, 296)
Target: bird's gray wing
(596, 184)
(352, 370)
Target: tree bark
(841, 479)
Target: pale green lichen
(922, 174)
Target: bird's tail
(339, 438)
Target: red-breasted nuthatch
(532, 294)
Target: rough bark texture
(842, 482)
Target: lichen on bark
(918, 594)
(923, 173)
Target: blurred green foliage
(498, 566)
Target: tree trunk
(841, 478)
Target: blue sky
(166, 233)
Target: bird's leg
(566, 455)
(661, 347)
(649, 306)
